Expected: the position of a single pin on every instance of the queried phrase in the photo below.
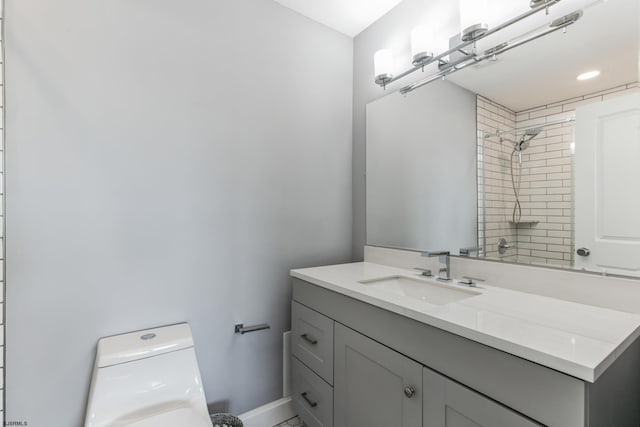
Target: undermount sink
(428, 291)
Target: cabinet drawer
(312, 340)
(312, 397)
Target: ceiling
(349, 17)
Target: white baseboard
(286, 364)
(270, 414)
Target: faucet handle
(470, 250)
(425, 272)
(470, 281)
(434, 253)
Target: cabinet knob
(409, 392)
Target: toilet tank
(142, 374)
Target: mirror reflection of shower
(516, 169)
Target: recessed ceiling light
(589, 75)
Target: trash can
(225, 420)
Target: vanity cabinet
(359, 365)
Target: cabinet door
(374, 386)
(449, 404)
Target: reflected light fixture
(473, 19)
(383, 65)
(589, 75)
(429, 47)
(422, 41)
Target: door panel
(607, 156)
(449, 404)
(370, 384)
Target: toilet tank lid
(137, 345)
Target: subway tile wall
(495, 195)
(545, 234)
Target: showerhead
(526, 137)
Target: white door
(607, 177)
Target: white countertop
(576, 339)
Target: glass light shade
(383, 66)
(422, 44)
(442, 45)
(473, 18)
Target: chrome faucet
(444, 271)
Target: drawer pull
(409, 392)
(309, 401)
(308, 339)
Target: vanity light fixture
(473, 19)
(424, 44)
(422, 41)
(589, 75)
(383, 65)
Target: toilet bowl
(147, 379)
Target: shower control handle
(584, 251)
(503, 246)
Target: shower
(516, 172)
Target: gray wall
(392, 31)
(166, 162)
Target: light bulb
(383, 66)
(473, 19)
(422, 42)
(588, 75)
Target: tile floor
(293, 422)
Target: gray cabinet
(376, 354)
(449, 404)
(374, 386)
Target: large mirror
(517, 159)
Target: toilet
(147, 379)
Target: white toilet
(147, 379)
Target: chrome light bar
(536, 7)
